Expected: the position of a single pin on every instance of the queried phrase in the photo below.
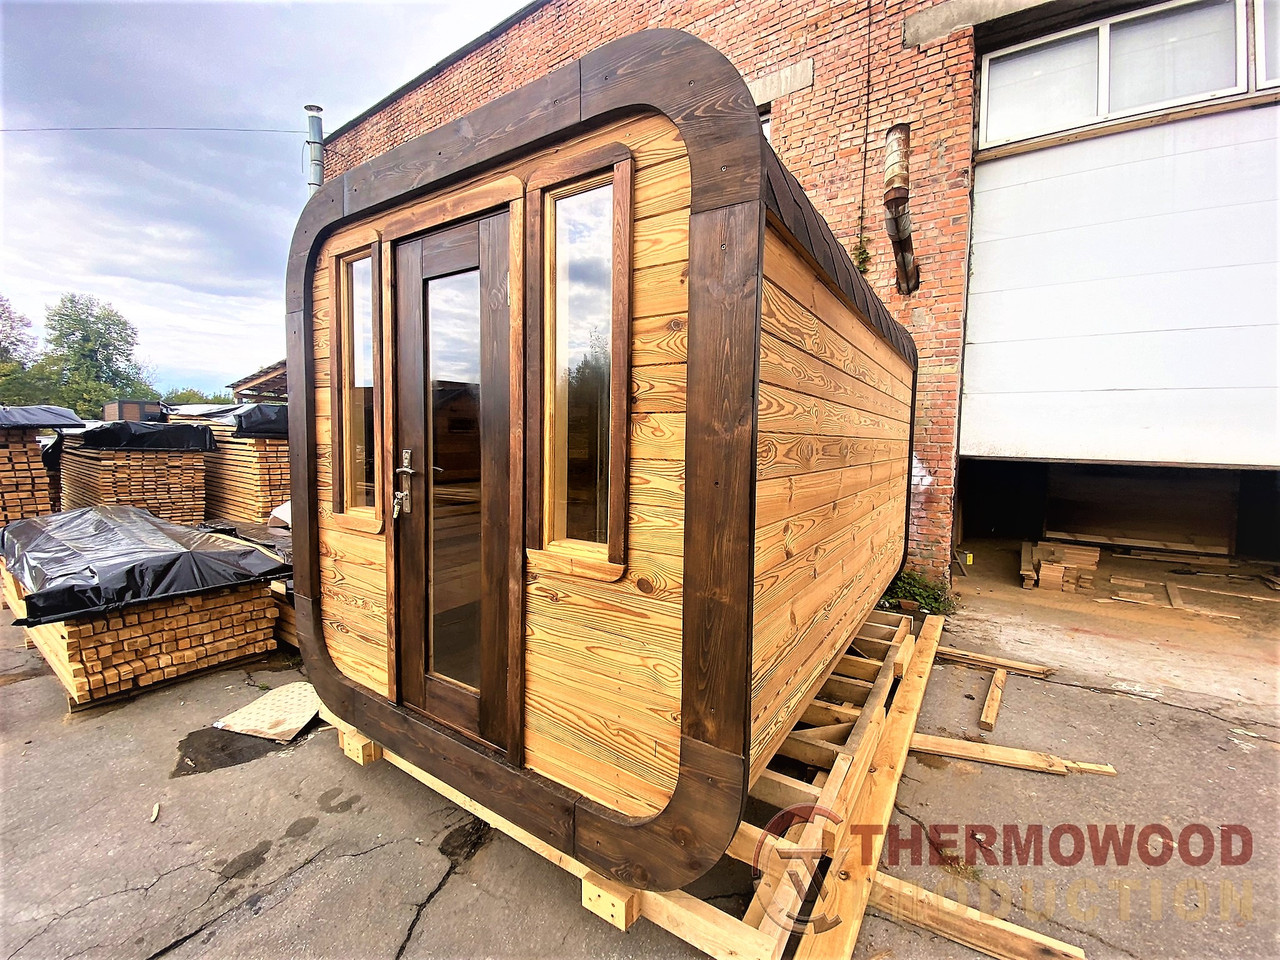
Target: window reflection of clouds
(584, 268)
(453, 305)
(361, 279)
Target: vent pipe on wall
(897, 213)
(315, 147)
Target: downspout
(897, 213)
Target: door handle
(401, 501)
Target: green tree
(17, 345)
(180, 395)
(89, 358)
(94, 344)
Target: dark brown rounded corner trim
(700, 91)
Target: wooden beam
(819, 713)
(850, 691)
(782, 791)
(956, 655)
(857, 668)
(991, 708)
(979, 931)
(1101, 769)
(848, 883)
(816, 753)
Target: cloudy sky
(186, 232)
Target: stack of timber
(246, 477)
(842, 760)
(1060, 567)
(25, 490)
(118, 651)
(286, 619)
(168, 483)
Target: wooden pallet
(120, 651)
(24, 483)
(168, 483)
(246, 477)
(853, 738)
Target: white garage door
(1123, 298)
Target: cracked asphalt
(299, 853)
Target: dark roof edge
(787, 200)
(438, 68)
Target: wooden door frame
(482, 244)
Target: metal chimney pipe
(315, 147)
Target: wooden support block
(979, 931)
(359, 747)
(610, 900)
(992, 705)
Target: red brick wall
(819, 133)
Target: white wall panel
(1124, 298)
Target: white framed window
(1266, 20)
(1162, 56)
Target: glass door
(453, 483)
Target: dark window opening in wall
(766, 122)
(1213, 511)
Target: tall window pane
(1049, 87)
(1269, 35)
(1173, 54)
(453, 325)
(583, 249)
(359, 446)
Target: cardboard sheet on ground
(279, 714)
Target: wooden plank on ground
(979, 931)
(956, 655)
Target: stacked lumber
(168, 483)
(246, 477)
(1060, 567)
(286, 620)
(121, 650)
(24, 482)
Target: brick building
(832, 78)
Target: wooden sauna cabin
(601, 453)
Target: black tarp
(102, 558)
(130, 435)
(32, 418)
(266, 420)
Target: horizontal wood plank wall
(602, 660)
(832, 469)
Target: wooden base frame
(854, 737)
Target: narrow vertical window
(355, 460)
(586, 249)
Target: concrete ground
(263, 852)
